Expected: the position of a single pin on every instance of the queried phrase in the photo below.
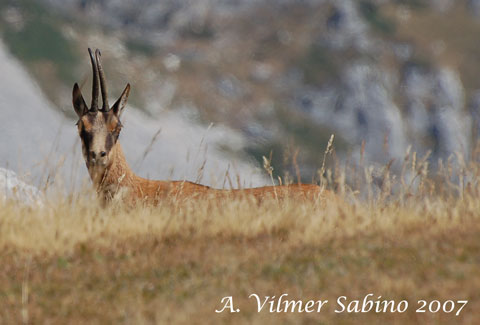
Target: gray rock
(436, 110)
(474, 110)
(474, 7)
(346, 28)
(441, 5)
(363, 110)
(12, 188)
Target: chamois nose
(96, 158)
(94, 155)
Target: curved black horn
(94, 106)
(103, 83)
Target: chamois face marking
(98, 128)
(98, 132)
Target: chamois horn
(94, 105)
(103, 83)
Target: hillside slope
(381, 75)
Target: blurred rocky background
(275, 77)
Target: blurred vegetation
(138, 46)
(372, 15)
(414, 4)
(38, 38)
(304, 138)
(323, 67)
(204, 31)
(320, 66)
(275, 152)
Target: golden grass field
(74, 262)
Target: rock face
(436, 111)
(169, 17)
(474, 6)
(346, 27)
(31, 130)
(364, 111)
(12, 188)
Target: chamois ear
(78, 102)
(121, 102)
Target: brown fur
(120, 180)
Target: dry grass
(415, 237)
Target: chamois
(99, 130)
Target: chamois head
(98, 128)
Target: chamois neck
(117, 171)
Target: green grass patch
(372, 15)
(320, 66)
(39, 38)
(140, 47)
(300, 132)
